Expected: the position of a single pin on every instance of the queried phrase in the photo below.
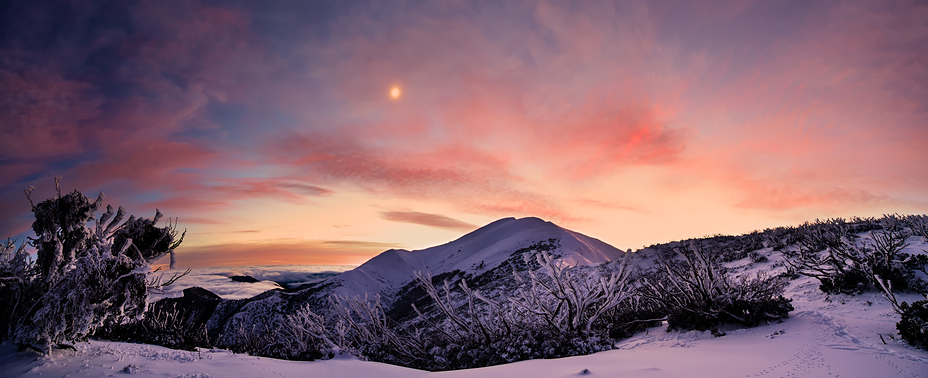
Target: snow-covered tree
(83, 278)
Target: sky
(325, 132)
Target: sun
(395, 92)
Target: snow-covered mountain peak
(477, 251)
(493, 244)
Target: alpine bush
(695, 293)
(913, 322)
(83, 279)
(913, 325)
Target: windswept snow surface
(488, 246)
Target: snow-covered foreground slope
(837, 336)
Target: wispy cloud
(426, 219)
(359, 244)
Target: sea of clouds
(217, 279)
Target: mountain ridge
(475, 252)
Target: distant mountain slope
(479, 251)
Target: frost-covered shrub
(917, 263)
(265, 337)
(694, 292)
(830, 252)
(757, 257)
(887, 260)
(16, 274)
(83, 279)
(353, 325)
(913, 325)
(822, 234)
(540, 321)
(778, 238)
(913, 322)
(827, 253)
(524, 343)
(96, 292)
(177, 323)
(557, 313)
(632, 316)
(858, 224)
(470, 330)
(555, 298)
(918, 224)
(568, 301)
(752, 241)
(851, 281)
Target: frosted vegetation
(536, 301)
(83, 279)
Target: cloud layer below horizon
(269, 129)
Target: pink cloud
(471, 120)
(821, 200)
(42, 111)
(604, 137)
(224, 194)
(825, 118)
(426, 219)
(473, 180)
(594, 203)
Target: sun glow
(395, 92)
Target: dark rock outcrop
(248, 279)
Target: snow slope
(484, 248)
(835, 336)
